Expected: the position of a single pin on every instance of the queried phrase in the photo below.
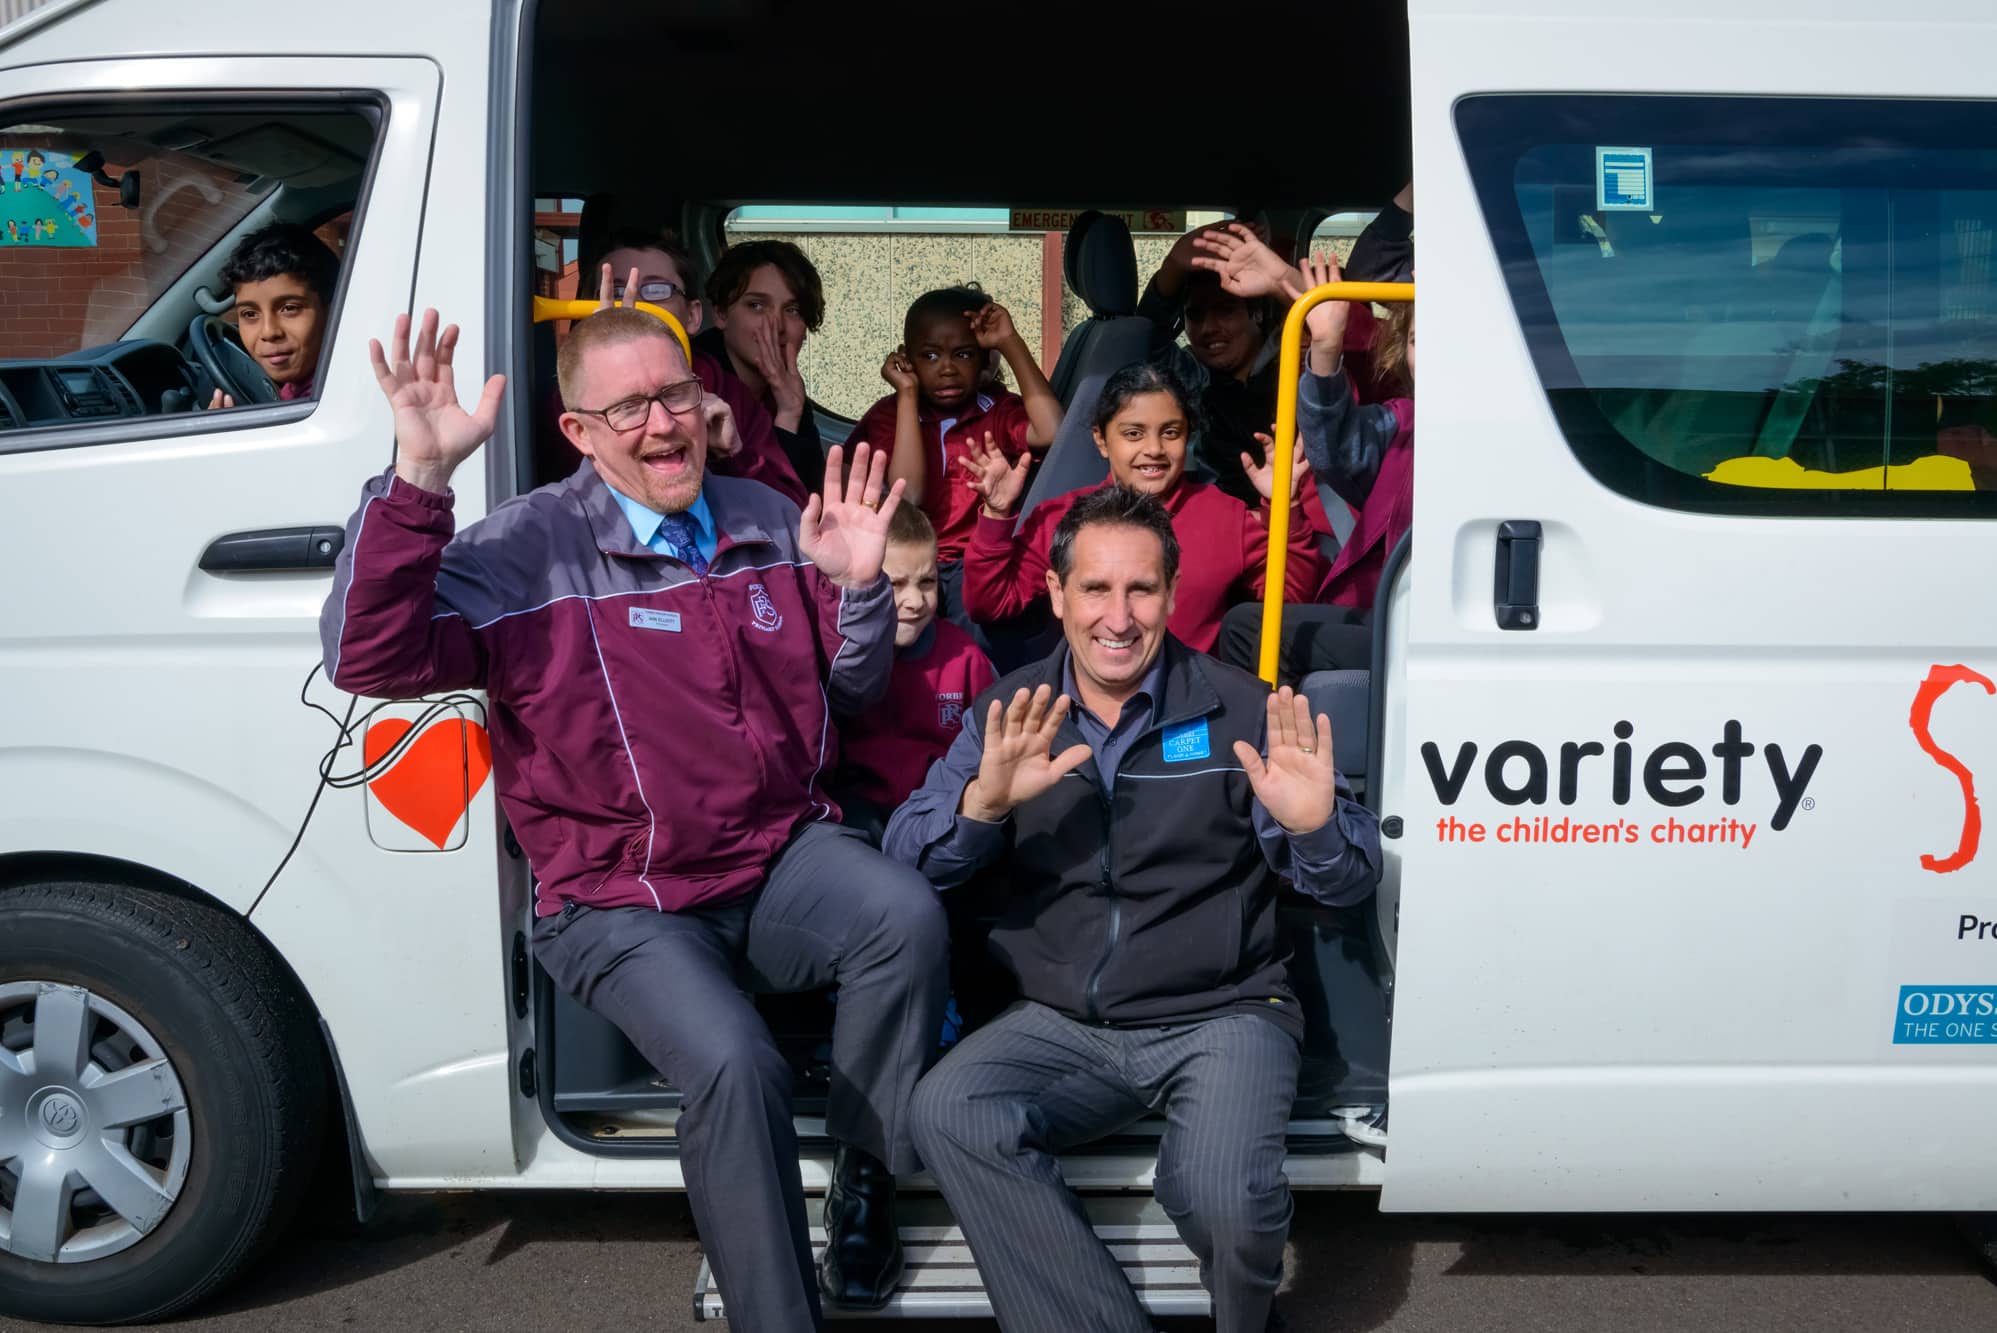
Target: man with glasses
(659, 268)
(662, 649)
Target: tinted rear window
(1763, 305)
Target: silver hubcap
(94, 1130)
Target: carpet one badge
(1730, 773)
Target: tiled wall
(871, 279)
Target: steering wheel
(214, 346)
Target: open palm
(1296, 784)
(1019, 762)
(433, 431)
(841, 531)
(996, 480)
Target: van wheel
(162, 1098)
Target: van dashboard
(127, 379)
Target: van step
(941, 1281)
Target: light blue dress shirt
(645, 525)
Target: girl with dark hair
(1144, 417)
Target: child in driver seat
(283, 278)
(946, 389)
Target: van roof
(1037, 102)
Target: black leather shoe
(863, 1257)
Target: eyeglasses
(658, 293)
(628, 414)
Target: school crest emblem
(949, 710)
(763, 610)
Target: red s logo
(1940, 679)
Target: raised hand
(1263, 475)
(1019, 763)
(899, 372)
(219, 400)
(433, 432)
(996, 480)
(991, 325)
(723, 440)
(1248, 268)
(842, 531)
(776, 362)
(1296, 783)
(1326, 320)
(1181, 259)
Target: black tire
(248, 1054)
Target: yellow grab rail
(547, 308)
(1289, 374)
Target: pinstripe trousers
(991, 1117)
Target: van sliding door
(1699, 669)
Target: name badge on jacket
(645, 618)
(1186, 741)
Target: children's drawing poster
(44, 199)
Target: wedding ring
(1308, 749)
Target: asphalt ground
(624, 1262)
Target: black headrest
(1101, 264)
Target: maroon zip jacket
(657, 736)
(886, 751)
(1223, 557)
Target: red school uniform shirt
(946, 435)
(1223, 559)
(886, 751)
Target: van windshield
(79, 267)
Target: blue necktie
(679, 529)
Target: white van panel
(208, 781)
(1658, 1025)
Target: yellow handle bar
(1289, 374)
(547, 308)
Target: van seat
(1345, 698)
(1101, 267)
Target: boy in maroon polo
(886, 751)
(945, 394)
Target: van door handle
(1515, 596)
(270, 550)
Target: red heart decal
(433, 783)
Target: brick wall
(55, 299)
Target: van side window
(1756, 305)
(876, 258)
(163, 257)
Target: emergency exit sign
(1170, 220)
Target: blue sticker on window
(1187, 741)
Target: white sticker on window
(1623, 179)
